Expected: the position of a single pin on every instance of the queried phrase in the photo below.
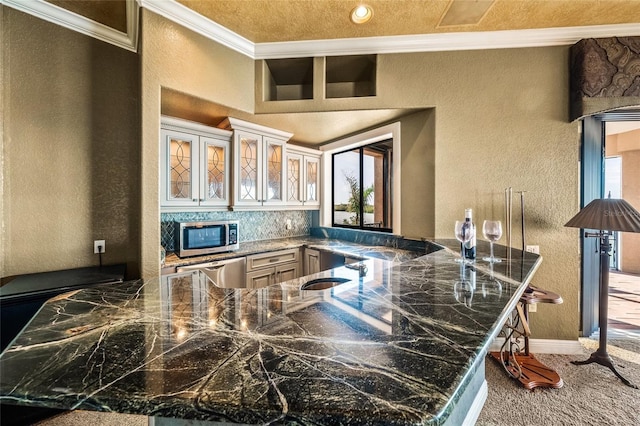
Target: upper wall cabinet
(258, 165)
(195, 165)
(303, 177)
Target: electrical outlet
(99, 246)
(288, 224)
(533, 249)
(533, 307)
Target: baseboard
(477, 405)
(545, 346)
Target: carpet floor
(591, 395)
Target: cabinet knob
(194, 200)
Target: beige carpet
(591, 395)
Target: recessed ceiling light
(361, 14)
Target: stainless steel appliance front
(206, 237)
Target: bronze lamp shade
(607, 214)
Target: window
(362, 187)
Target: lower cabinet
(272, 268)
(311, 261)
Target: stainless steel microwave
(200, 238)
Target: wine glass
(464, 234)
(492, 231)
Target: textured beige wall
(71, 148)
(174, 57)
(418, 174)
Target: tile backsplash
(254, 225)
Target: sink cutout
(323, 283)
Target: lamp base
(603, 358)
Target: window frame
(387, 177)
(390, 131)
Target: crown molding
(192, 20)
(65, 18)
(182, 15)
(442, 42)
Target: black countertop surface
(392, 347)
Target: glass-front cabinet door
(215, 165)
(311, 181)
(274, 172)
(194, 167)
(179, 185)
(249, 180)
(259, 165)
(294, 179)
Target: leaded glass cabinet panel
(194, 165)
(249, 180)
(303, 177)
(215, 156)
(312, 180)
(274, 171)
(179, 168)
(294, 178)
(259, 159)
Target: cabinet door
(179, 184)
(181, 302)
(311, 181)
(295, 187)
(214, 186)
(311, 261)
(286, 272)
(248, 155)
(274, 172)
(261, 278)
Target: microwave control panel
(233, 233)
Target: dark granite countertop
(333, 245)
(393, 347)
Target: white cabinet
(195, 165)
(303, 177)
(271, 268)
(258, 165)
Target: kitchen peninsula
(404, 343)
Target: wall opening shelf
(288, 79)
(350, 76)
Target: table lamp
(605, 215)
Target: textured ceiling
(288, 20)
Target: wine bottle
(470, 247)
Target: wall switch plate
(533, 249)
(99, 246)
(533, 307)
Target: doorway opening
(622, 180)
